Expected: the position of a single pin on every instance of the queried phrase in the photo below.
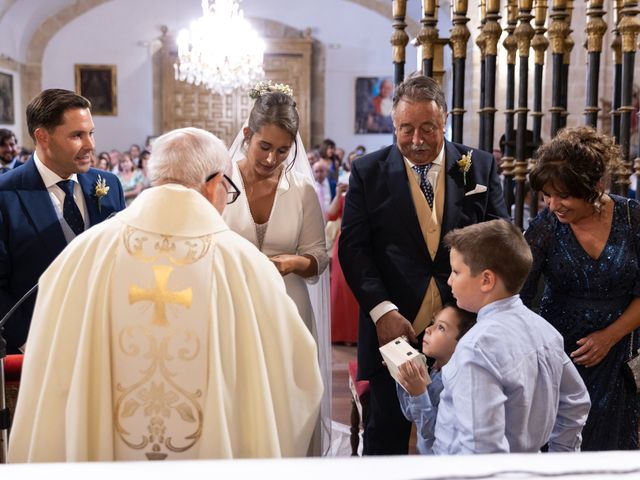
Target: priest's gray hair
(187, 156)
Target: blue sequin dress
(582, 295)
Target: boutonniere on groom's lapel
(465, 164)
(101, 190)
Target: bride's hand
(285, 263)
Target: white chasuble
(159, 344)
(161, 334)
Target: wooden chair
(12, 372)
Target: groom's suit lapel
(401, 198)
(37, 204)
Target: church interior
(515, 72)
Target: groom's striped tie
(425, 185)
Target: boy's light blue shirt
(422, 410)
(510, 387)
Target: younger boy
(418, 402)
(509, 386)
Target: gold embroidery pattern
(160, 295)
(179, 251)
(157, 397)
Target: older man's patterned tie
(425, 185)
(70, 210)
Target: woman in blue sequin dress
(586, 244)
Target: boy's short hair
(496, 245)
(466, 319)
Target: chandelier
(220, 50)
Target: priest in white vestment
(161, 334)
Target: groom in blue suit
(402, 200)
(49, 200)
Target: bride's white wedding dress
(296, 227)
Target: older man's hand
(393, 325)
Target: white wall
(119, 32)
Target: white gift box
(399, 351)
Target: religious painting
(374, 98)
(7, 115)
(97, 83)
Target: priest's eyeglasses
(233, 192)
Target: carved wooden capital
(510, 43)
(596, 28)
(558, 31)
(459, 37)
(492, 32)
(399, 41)
(524, 32)
(427, 38)
(629, 26)
(539, 45)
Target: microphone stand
(5, 420)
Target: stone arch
(53, 24)
(31, 78)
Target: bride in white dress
(279, 212)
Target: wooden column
(524, 33)
(492, 32)
(629, 28)
(558, 32)
(566, 62)
(616, 46)
(511, 45)
(399, 39)
(539, 45)
(459, 37)
(482, 45)
(428, 35)
(595, 30)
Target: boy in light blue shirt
(419, 402)
(509, 386)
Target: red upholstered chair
(359, 404)
(12, 372)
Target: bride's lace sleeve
(312, 238)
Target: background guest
(325, 187)
(327, 152)
(131, 178)
(344, 306)
(143, 166)
(9, 151)
(114, 160)
(134, 151)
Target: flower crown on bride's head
(265, 87)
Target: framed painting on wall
(374, 99)
(7, 115)
(97, 83)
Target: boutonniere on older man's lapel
(101, 190)
(465, 164)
